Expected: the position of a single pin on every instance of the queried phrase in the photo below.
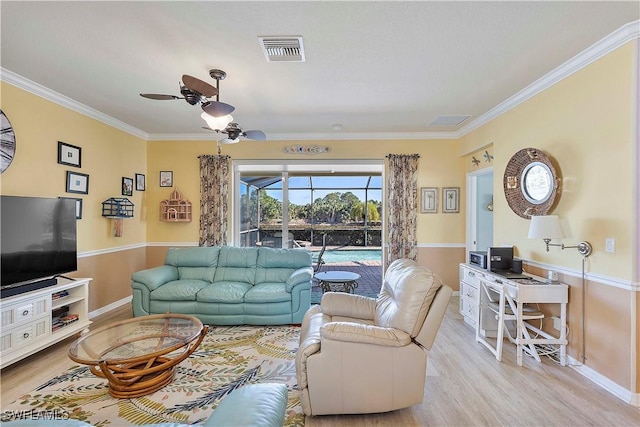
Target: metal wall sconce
(548, 227)
(117, 208)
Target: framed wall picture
(78, 206)
(140, 182)
(450, 199)
(77, 182)
(127, 186)
(429, 200)
(69, 155)
(166, 178)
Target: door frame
(473, 206)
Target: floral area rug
(228, 358)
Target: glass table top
(135, 338)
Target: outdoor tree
(270, 207)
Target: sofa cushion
(236, 264)
(179, 290)
(192, 257)
(226, 292)
(276, 265)
(267, 292)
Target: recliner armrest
(348, 305)
(367, 334)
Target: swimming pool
(331, 256)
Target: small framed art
(166, 178)
(429, 200)
(77, 182)
(127, 186)
(450, 199)
(69, 155)
(78, 206)
(140, 182)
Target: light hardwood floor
(466, 386)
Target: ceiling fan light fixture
(217, 109)
(217, 123)
(230, 140)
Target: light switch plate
(610, 245)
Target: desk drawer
(471, 277)
(469, 310)
(468, 292)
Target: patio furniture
(337, 281)
(318, 262)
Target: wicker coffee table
(138, 356)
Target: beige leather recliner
(366, 355)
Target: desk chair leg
(489, 295)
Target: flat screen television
(38, 242)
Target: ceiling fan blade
(158, 96)
(258, 135)
(217, 109)
(197, 85)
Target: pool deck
(370, 277)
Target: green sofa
(262, 405)
(228, 285)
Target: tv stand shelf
(27, 318)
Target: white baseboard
(617, 390)
(112, 306)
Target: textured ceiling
(386, 68)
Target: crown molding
(608, 44)
(624, 34)
(314, 136)
(53, 96)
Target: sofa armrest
(348, 305)
(366, 334)
(301, 275)
(252, 405)
(155, 277)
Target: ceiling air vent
(448, 120)
(282, 49)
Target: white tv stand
(27, 318)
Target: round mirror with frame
(530, 183)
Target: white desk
(523, 292)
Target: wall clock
(7, 143)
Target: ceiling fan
(234, 132)
(196, 91)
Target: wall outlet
(556, 323)
(610, 245)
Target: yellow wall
(107, 155)
(440, 166)
(586, 124)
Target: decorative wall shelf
(175, 208)
(117, 208)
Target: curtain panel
(214, 199)
(402, 198)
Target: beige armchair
(366, 355)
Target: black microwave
(478, 258)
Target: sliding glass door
(300, 203)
